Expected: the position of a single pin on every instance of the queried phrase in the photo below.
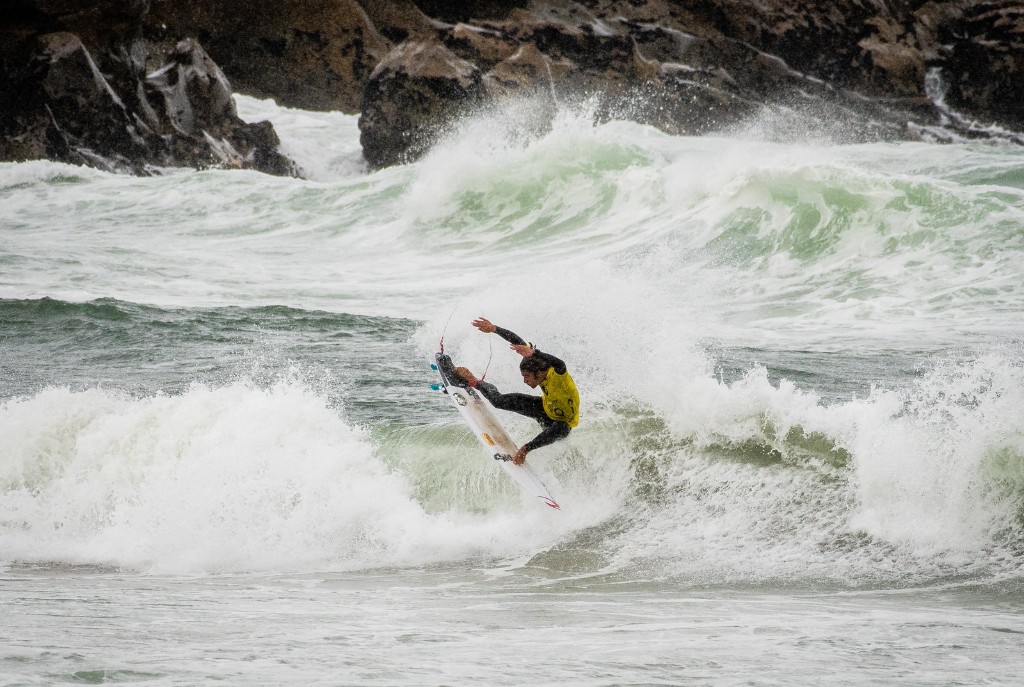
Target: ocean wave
(766, 482)
(781, 242)
(216, 479)
(226, 371)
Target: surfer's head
(534, 371)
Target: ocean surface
(800, 460)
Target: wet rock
(815, 37)
(81, 94)
(607, 59)
(195, 94)
(891, 62)
(691, 101)
(857, 70)
(465, 10)
(311, 54)
(401, 20)
(528, 71)
(87, 121)
(412, 97)
(193, 110)
(482, 46)
(984, 70)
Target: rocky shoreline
(140, 85)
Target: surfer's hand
(484, 325)
(520, 457)
(522, 349)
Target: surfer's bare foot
(466, 376)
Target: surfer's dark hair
(532, 364)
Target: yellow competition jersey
(561, 398)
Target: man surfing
(556, 409)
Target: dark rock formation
(316, 54)
(855, 70)
(411, 96)
(984, 69)
(74, 87)
(192, 109)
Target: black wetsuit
(527, 404)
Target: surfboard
(479, 415)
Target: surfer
(556, 409)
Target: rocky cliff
(156, 73)
(80, 84)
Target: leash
(490, 344)
(445, 330)
(490, 354)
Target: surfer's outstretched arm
(488, 327)
(519, 344)
(510, 336)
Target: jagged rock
(482, 46)
(400, 20)
(892, 63)
(688, 101)
(412, 97)
(527, 71)
(88, 121)
(465, 10)
(196, 95)
(856, 70)
(312, 54)
(816, 37)
(680, 82)
(197, 115)
(607, 61)
(985, 67)
(81, 95)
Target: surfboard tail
(550, 502)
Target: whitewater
(800, 458)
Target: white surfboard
(498, 445)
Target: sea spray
(227, 478)
(938, 463)
(882, 241)
(753, 327)
(754, 479)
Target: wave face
(801, 364)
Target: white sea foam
(902, 483)
(325, 145)
(630, 253)
(229, 478)
(761, 479)
(938, 465)
(788, 243)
